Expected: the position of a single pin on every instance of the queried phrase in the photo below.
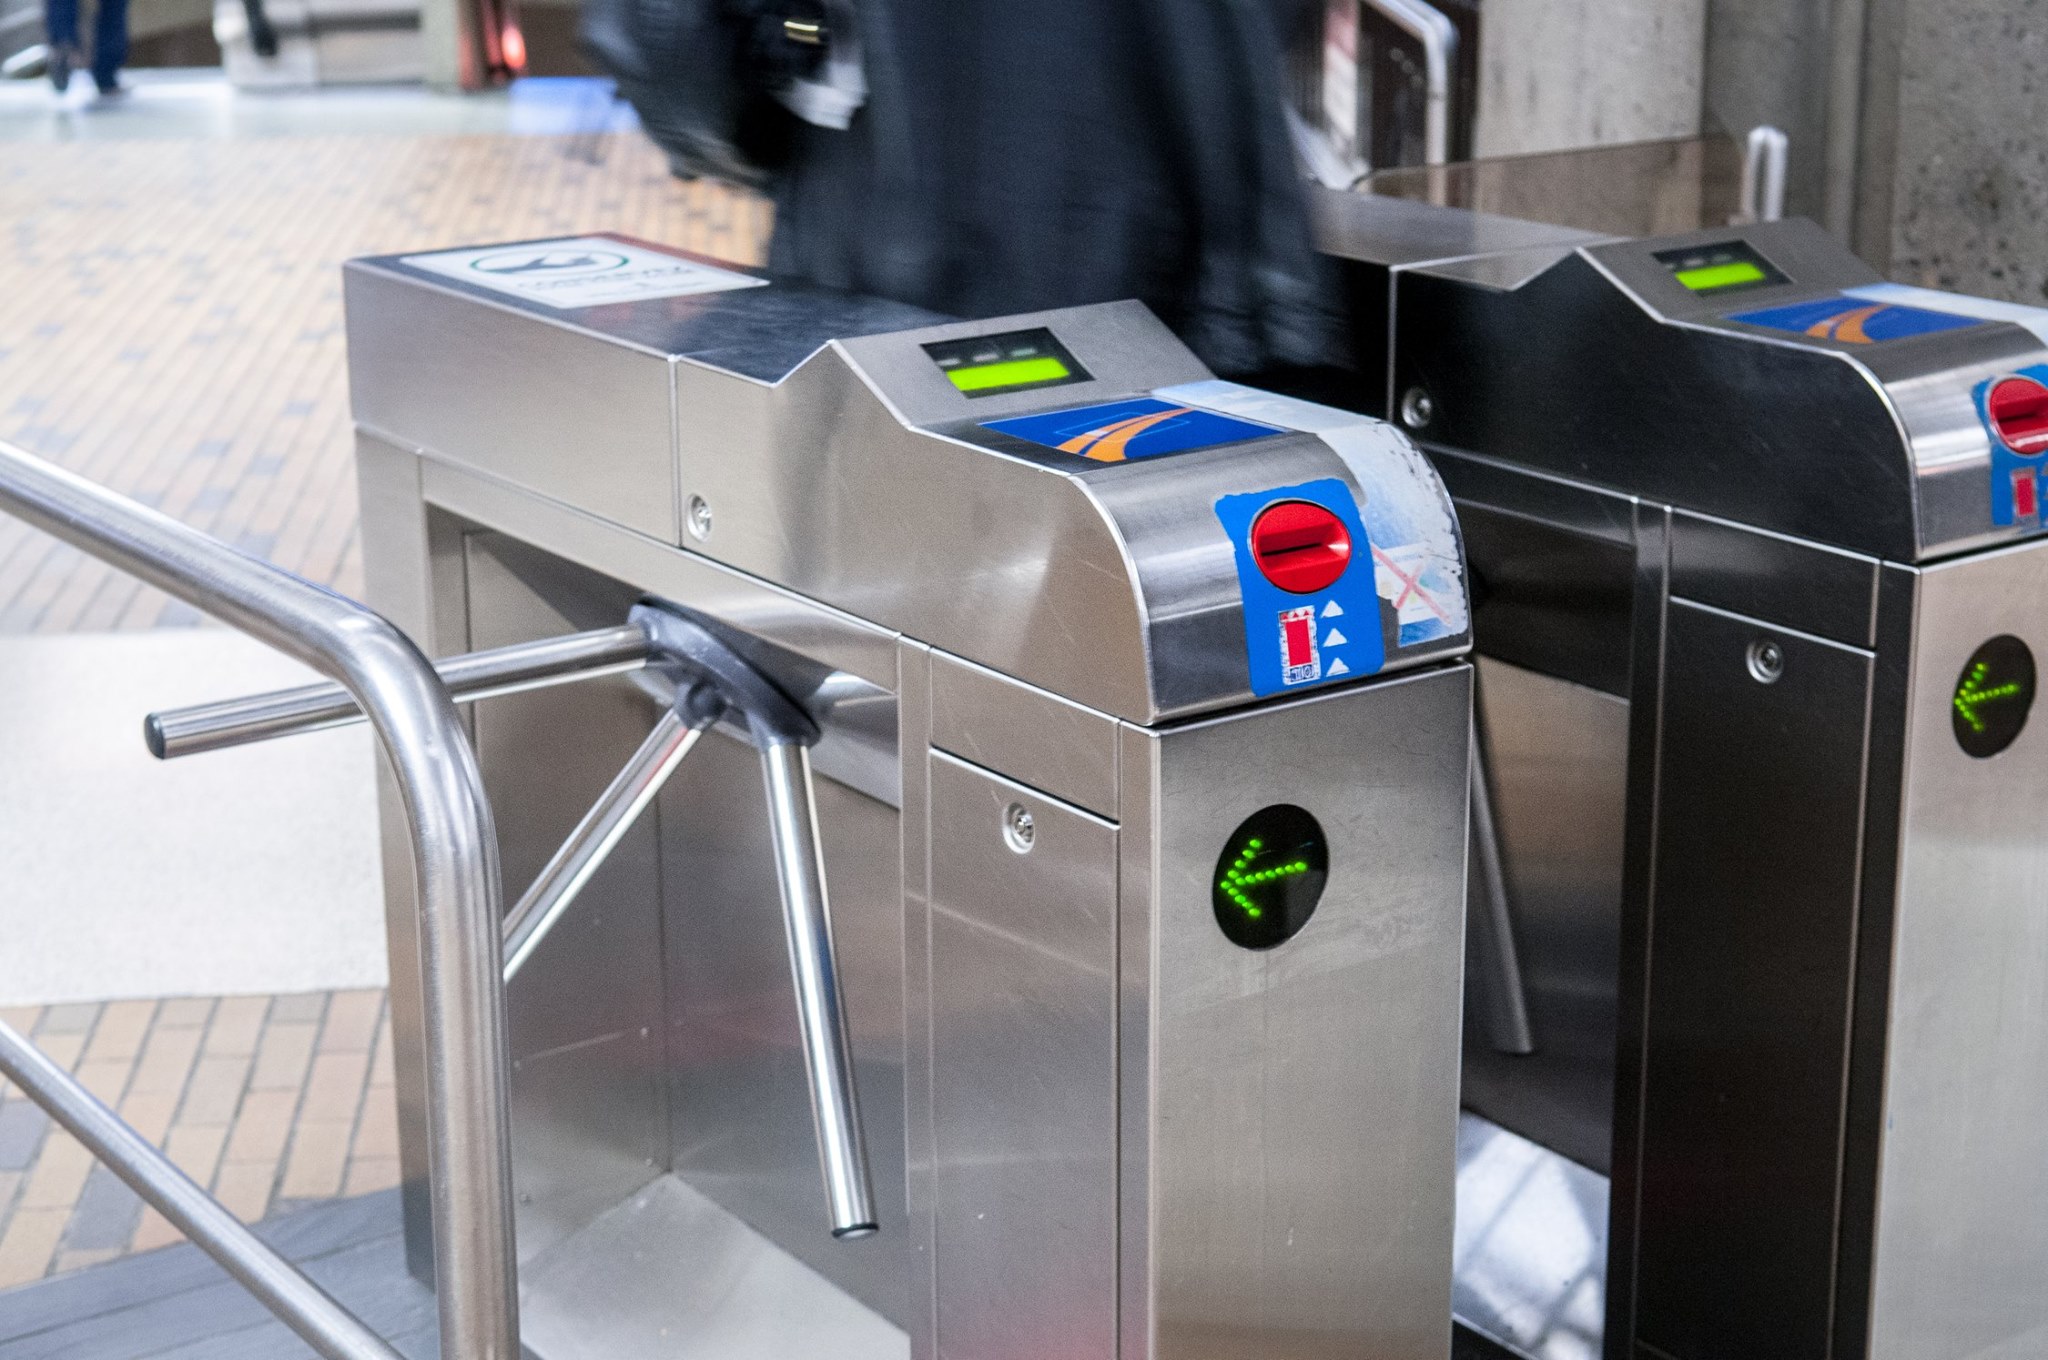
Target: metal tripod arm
(523, 666)
(706, 668)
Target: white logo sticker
(584, 271)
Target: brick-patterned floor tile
(244, 1188)
(352, 1022)
(214, 1092)
(196, 1149)
(231, 412)
(237, 1025)
(377, 1133)
(60, 1172)
(282, 1058)
(319, 1157)
(149, 1113)
(73, 1018)
(29, 1243)
(184, 1012)
(367, 1175)
(334, 1087)
(118, 1035)
(166, 1061)
(153, 1231)
(107, 1080)
(265, 1100)
(263, 1127)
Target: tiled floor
(263, 1100)
(172, 326)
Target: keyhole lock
(1020, 829)
(1766, 661)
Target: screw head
(1019, 828)
(698, 518)
(1417, 410)
(1766, 661)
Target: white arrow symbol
(1332, 610)
(1337, 668)
(1335, 638)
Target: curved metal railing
(455, 858)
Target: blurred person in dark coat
(981, 158)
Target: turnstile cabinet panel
(1023, 951)
(1294, 1109)
(1752, 928)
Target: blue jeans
(109, 33)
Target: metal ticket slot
(1091, 987)
(1759, 996)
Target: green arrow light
(1971, 695)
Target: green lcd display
(1731, 266)
(1270, 876)
(988, 365)
(1008, 373)
(1993, 696)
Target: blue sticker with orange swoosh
(1118, 431)
(1854, 320)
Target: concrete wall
(1555, 74)
(1966, 179)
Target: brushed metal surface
(739, 1101)
(813, 651)
(1036, 563)
(1962, 1219)
(593, 430)
(915, 667)
(1029, 734)
(1559, 757)
(669, 1275)
(1023, 957)
(1303, 1101)
(590, 1118)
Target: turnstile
(1127, 711)
(1755, 1061)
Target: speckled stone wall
(1969, 178)
(1555, 74)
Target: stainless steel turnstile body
(1097, 1127)
(1757, 1058)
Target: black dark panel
(1548, 599)
(1638, 868)
(1863, 1134)
(1778, 579)
(1568, 374)
(1753, 931)
(1536, 495)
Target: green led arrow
(1971, 694)
(1236, 880)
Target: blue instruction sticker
(1144, 427)
(1294, 639)
(2019, 489)
(1854, 320)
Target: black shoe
(109, 86)
(60, 67)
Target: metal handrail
(310, 1311)
(455, 861)
(1432, 28)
